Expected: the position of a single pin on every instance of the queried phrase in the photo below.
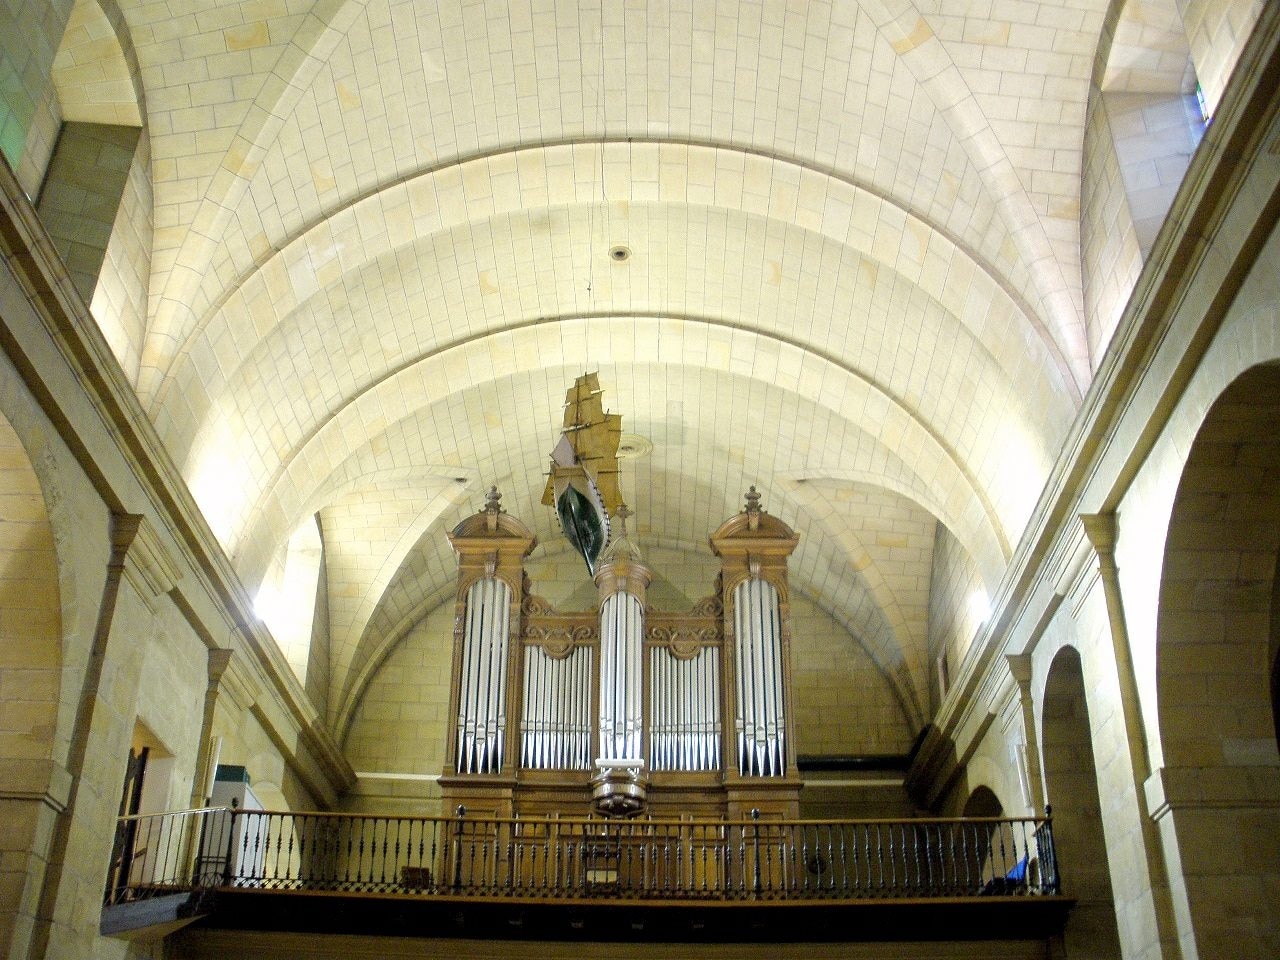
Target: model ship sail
(583, 485)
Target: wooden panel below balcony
(1006, 919)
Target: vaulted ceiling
(382, 235)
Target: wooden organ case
(622, 710)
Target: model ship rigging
(583, 483)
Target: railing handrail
(190, 811)
(697, 821)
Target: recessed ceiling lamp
(632, 446)
(619, 254)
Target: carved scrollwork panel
(558, 639)
(684, 639)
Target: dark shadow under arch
(983, 802)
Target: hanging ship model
(583, 483)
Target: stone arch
(96, 71)
(1215, 670)
(299, 61)
(929, 61)
(30, 679)
(1071, 782)
(983, 802)
(983, 776)
(951, 485)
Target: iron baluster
(575, 864)
(227, 866)
(755, 850)
(954, 882)
(919, 883)
(679, 866)
(457, 859)
(844, 861)
(1004, 856)
(704, 860)
(509, 879)
(893, 855)
(805, 863)
(879, 857)
(831, 858)
(306, 850)
(434, 828)
(389, 878)
(1050, 879)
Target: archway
(1071, 782)
(1216, 677)
(30, 675)
(988, 847)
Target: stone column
(1021, 670)
(1101, 531)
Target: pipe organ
(623, 708)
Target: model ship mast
(583, 485)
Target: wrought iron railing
(157, 854)
(565, 858)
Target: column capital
(1101, 529)
(138, 549)
(218, 661)
(1020, 668)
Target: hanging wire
(600, 122)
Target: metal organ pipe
(684, 708)
(760, 710)
(581, 699)
(554, 726)
(482, 688)
(621, 717)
